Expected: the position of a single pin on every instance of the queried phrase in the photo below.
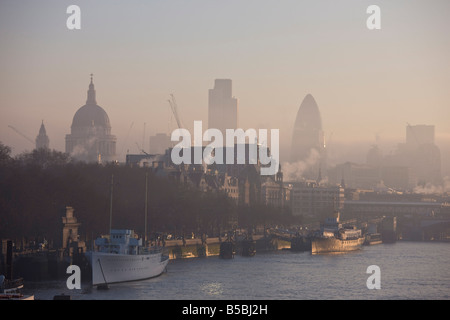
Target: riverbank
(193, 248)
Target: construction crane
(174, 107)
(24, 136)
(141, 149)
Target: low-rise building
(309, 198)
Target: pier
(189, 248)
(47, 264)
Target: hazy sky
(366, 82)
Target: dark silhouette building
(42, 140)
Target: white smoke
(148, 161)
(293, 171)
(82, 150)
(78, 151)
(433, 189)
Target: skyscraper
(308, 145)
(222, 106)
(90, 139)
(420, 154)
(419, 134)
(42, 140)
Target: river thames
(408, 270)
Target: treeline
(36, 187)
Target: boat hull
(335, 245)
(15, 296)
(110, 268)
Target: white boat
(121, 257)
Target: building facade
(274, 192)
(311, 199)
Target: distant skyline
(368, 84)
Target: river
(408, 270)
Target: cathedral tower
(90, 139)
(42, 140)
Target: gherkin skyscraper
(308, 143)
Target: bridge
(426, 223)
(435, 229)
(426, 229)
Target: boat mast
(146, 209)
(110, 204)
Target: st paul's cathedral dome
(90, 139)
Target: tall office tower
(90, 139)
(308, 145)
(42, 141)
(419, 134)
(222, 106)
(420, 153)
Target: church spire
(42, 141)
(91, 93)
(42, 129)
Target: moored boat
(372, 239)
(248, 247)
(11, 289)
(121, 257)
(227, 248)
(335, 238)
